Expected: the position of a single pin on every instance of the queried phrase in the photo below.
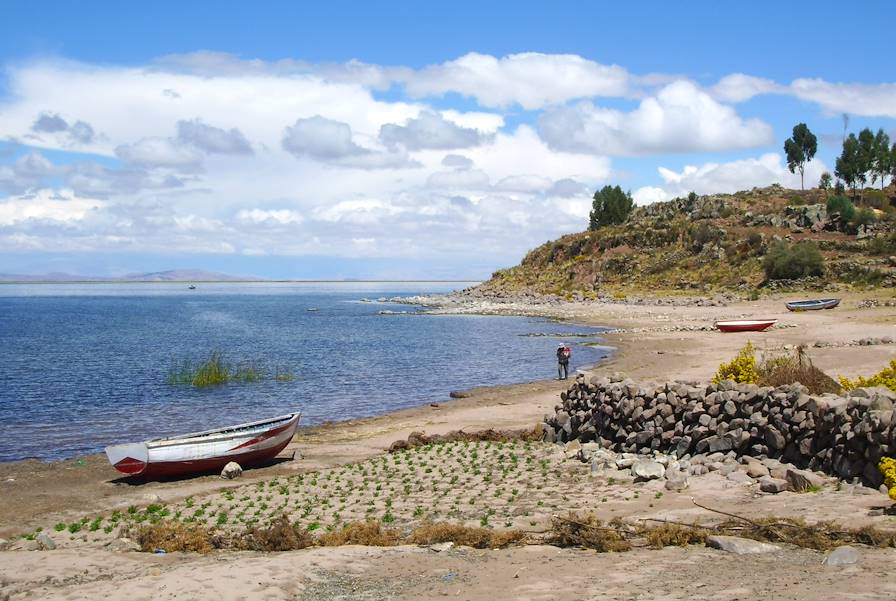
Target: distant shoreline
(412, 281)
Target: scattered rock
(676, 481)
(739, 478)
(232, 470)
(772, 485)
(441, 547)
(648, 470)
(152, 498)
(45, 542)
(842, 556)
(803, 480)
(738, 545)
(122, 545)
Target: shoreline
(648, 345)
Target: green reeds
(215, 371)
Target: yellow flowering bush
(886, 377)
(741, 369)
(887, 467)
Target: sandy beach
(654, 343)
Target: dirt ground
(35, 494)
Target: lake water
(86, 365)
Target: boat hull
(813, 305)
(247, 444)
(751, 325)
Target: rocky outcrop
(840, 435)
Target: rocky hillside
(712, 243)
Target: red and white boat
(745, 325)
(247, 444)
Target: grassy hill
(714, 243)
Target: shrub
(876, 199)
(882, 245)
(741, 369)
(887, 467)
(864, 217)
(479, 538)
(792, 368)
(842, 205)
(174, 536)
(885, 377)
(797, 200)
(786, 262)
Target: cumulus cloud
(331, 141)
(680, 118)
(52, 123)
(567, 188)
(730, 177)
(320, 138)
(276, 216)
(739, 87)
(46, 205)
(429, 130)
(466, 179)
(214, 140)
(457, 160)
(530, 79)
(160, 152)
(856, 99)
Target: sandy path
(413, 573)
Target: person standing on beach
(563, 353)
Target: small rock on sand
(46, 543)
(739, 546)
(772, 485)
(232, 470)
(842, 556)
(648, 470)
(803, 480)
(122, 545)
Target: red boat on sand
(745, 325)
(248, 444)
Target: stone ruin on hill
(845, 436)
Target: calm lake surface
(86, 365)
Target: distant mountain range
(173, 275)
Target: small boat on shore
(813, 305)
(248, 444)
(745, 325)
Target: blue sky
(399, 139)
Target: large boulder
(45, 542)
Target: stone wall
(842, 436)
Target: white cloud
(739, 87)
(729, 177)
(276, 216)
(429, 130)
(212, 139)
(331, 141)
(680, 118)
(160, 152)
(46, 205)
(856, 99)
(459, 179)
(530, 79)
(457, 160)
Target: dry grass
(798, 367)
(174, 536)
(822, 536)
(369, 533)
(587, 531)
(479, 538)
(674, 535)
(281, 535)
(419, 439)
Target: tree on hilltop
(881, 157)
(611, 205)
(800, 149)
(848, 165)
